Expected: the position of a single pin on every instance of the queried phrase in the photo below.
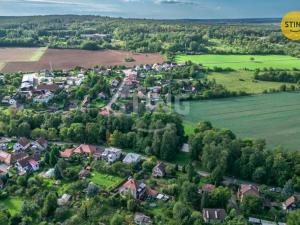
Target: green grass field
(274, 117)
(13, 205)
(238, 62)
(105, 181)
(243, 81)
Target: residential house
(67, 153)
(48, 87)
(82, 149)
(102, 96)
(84, 173)
(208, 188)
(162, 197)
(95, 37)
(246, 190)
(64, 200)
(43, 98)
(40, 144)
(22, 144)
(214, 215)
(147, 67)
(27, 165)
(85, 149)
(111, 154)
(114, 83)
(142, 219)
(98, 154)
(10, 158)
(159, 170)
(49, 173)
(189, 88)
(132, 158)
(28, 83)
(137, 190)
(105, 112)
(289, 204)
(267, 222)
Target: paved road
(117, 94)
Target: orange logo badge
(290, 25)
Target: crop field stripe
(38, 54)
(259, 114)
(255, 61)
(237, 112)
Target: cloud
(176, 2)
(85, 5)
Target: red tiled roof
(23, 141)
(151, 192)
(208, 187)
(67, 153)
(291, 200)
(131, 184)
(89, 149)
(48, 87)
(248, 187)
(32, 162)
(42, 141)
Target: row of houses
(19, 158)
(110, 154)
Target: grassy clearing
(105, 181)
(274, 117)
(37, 55)
(243, 81)
(182, 158)
(188, 127)
(13, 205)
(238, 62)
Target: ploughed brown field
(16, 54)
(69, 58)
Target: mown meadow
(274, 117)
(238, 62)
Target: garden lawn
(105, 181)
(188, 127)
(238, 62)
(13, 205)
(243, 81)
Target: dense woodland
(292, 76)
(146, 35)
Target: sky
(153, 9)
